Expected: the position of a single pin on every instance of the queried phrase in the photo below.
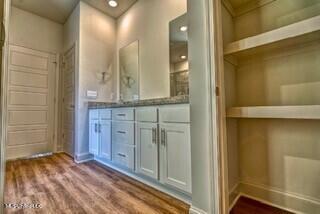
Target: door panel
(105, 139)
(31, 91)
(94, 137)
(147, 149)
(68, 101)
(176, 155)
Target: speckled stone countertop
(149, 102)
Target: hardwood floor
(62, 186)
(248, 206)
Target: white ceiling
(59, 10)
(123, 6)
(238, 3)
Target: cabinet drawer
(105, 114)
(123, 114)
(123, 132)
(147, 114)
(174, 114)
(123, 155)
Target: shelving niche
(272, 101)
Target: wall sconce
(104, 77)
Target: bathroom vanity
(147, 140)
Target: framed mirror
(179, 66)
(129, 72)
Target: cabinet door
(105, 139)
(94, 137)
(175, 151)
(147, 149)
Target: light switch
(92, 94)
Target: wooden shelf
(310, 112)
(303, 31)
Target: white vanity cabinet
(175, 147)
(151, 142)
(147, 142)
(100, 133)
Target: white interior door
(68, 100)
(30, 116)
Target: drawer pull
(154, 135)
(163, 137)
(121, 132)
(121, 115)
(122, 155)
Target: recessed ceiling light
(113, 3)
(183, 28)
(183, 57)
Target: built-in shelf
(310, 112)
(303, 31)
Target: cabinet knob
(122, 155)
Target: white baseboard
(234, 202)
(186, 199)
(195, 210)
(280, 199)
(83, 157)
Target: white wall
(71, 29)
(148, 22)
(97, 45)
(202, 110)
(32, 31)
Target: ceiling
(123, 6)
(238, 3)
(59, 10)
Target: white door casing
(147, 149)
(68, 101)
(30, 105)
(175, 159)
(6, 6)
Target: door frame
(76, 93)
(206, 114)
(3, 131)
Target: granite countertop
(149, 102)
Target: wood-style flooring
(248, 206)
(61, 186)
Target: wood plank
(245, 206)
(311, 112)
(62, 186)
(289, 32)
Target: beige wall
(97, 46)
(32, 31)
(274, 159)
(274, 15)
(71, 29)
(148, 22)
